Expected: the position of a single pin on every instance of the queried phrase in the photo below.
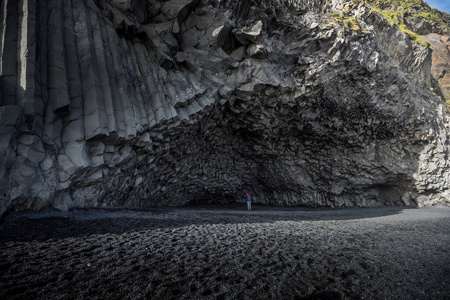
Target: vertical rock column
(74, 125)
(104, 59)
(95, 119)
(156, 101)
(57, 73)
(117, 79)
(8, 51)
(26, 88)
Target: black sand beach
(227, 252)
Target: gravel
(227, 252)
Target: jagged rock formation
(417, 15)
(426, 25)
(114, 102)
(440, 68)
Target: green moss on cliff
(434, 17)
(415, 8)
(396, 11)
(348, 22)
(395, 4)
(336, 15)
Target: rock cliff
(427, 26)
(142, 103)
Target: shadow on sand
(52, 224)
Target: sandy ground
(227, 252)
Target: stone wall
(108, 102)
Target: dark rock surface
(143, 103)
(225, 252)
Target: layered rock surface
(142, 103)
(440, 68)
(427, 26)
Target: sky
(443, 5)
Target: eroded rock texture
(440, 69)
(122, 102)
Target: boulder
(247, 35)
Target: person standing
(249, 202)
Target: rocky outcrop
(427, 26)
(440, 68)
(411, 58)
(141, 103)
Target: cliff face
(141, 103)
(427, 26)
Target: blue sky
(443, 5)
